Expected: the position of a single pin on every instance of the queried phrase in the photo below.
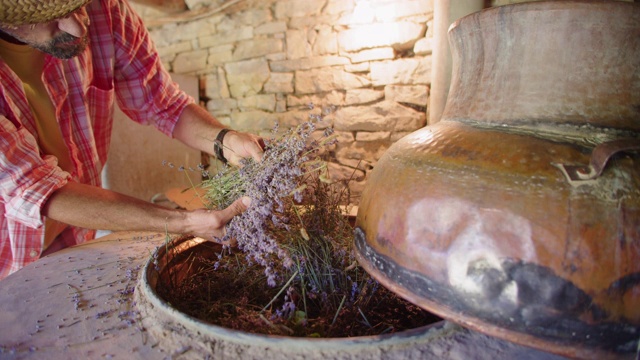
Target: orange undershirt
(28, 63)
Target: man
(62, 63)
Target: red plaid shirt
(119, 63)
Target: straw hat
(21, 12)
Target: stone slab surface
(78, 303)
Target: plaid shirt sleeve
(26, 179)
(143, 87)
(121, 63)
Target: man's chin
(66, 50)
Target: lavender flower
(103, 314)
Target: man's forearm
(95, 208)
(197, 128)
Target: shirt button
(33, 253)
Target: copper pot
(518, 214)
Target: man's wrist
(218, 145)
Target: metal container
(518, 214)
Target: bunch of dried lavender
(274, 185)
(295, 227)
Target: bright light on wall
(366, 13)
(363, 13)
(371, 25)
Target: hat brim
(22, 12)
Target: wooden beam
(189, 15)
(167, 6)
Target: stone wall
(278, 61)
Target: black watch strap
(218, 147)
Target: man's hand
(210, 224)
(238, 145)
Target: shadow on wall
(137, 154)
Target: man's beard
(64, 46)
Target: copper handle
(599, 158)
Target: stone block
(373, 136)
(235, 35)
(297, 45)
(362, 118)
(335, 7)
(399, 9)
(382, 116)
(310, 22)
(344, 137)
(222, 106)
(326, 42)
(191, 61)
(219, 55)
(339, 172)
(281, 56)
(423, 46)
(363, 13)
(308, 63)
(411, 123)
(168, 64)
(246, 77)
(377, 54)
(407, 71)
(163, 36)
(249, 49)
(331, 98)
(253, 16)
(360, 67)
(271, 28)
(327, 61)
(224, 120)
(175, 48)
(362, 150)
(327, 79)
(196, 4)
(215, 85)
(279, 83)
(281, 105)
(363, 96)
(194, 29)
(298, 8)
(398, 35)
(266, 102)
(253, 121)
(410, 94)
(295, 117)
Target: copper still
(518, 214)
